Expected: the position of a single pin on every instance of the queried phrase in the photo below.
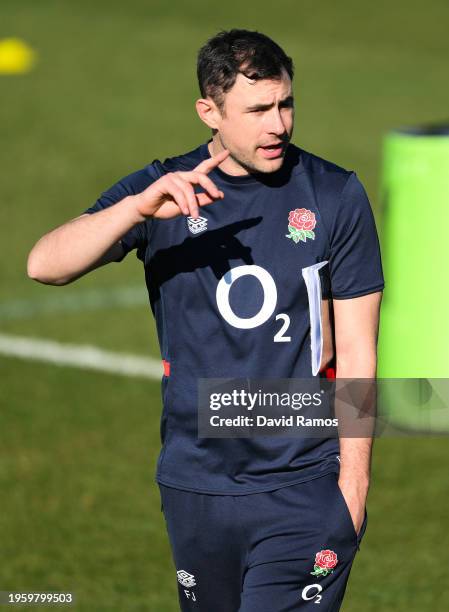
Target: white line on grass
(80, 356)
(74, 301)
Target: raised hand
(173, 194)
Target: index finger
(209, 164)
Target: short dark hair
(231, 52)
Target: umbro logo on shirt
(186, 579)
(196, 226)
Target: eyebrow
(288, 101)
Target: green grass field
(113, 89)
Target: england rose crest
(301, 223)
(325, 561)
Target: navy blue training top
(216, 287)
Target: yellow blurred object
(15, 56)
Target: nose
(275, 122)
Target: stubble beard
(248, 164)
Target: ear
(208, 112)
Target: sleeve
(137, 236)
(355, 260)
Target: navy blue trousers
(279, 551)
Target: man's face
(256, 123)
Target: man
(226, 233)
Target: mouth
(272, 151)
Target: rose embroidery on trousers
(325, 561)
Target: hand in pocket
(355, 499)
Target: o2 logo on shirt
(268, 306)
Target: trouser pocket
(356, 537)
(362, 530)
